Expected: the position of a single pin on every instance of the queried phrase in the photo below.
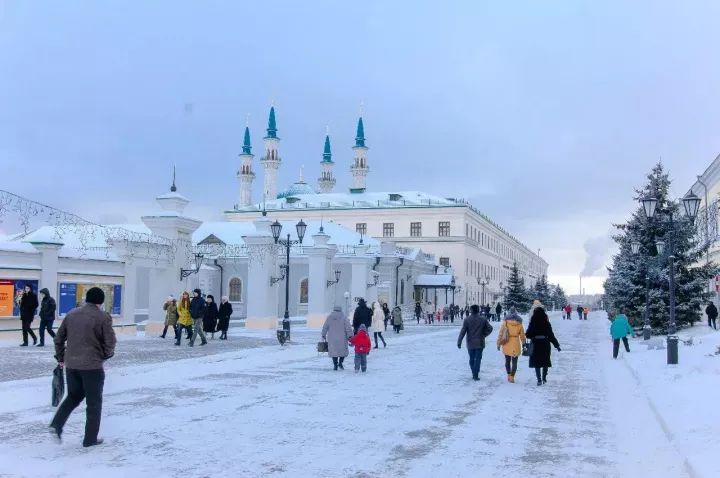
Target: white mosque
(478, 250)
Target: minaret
(326, 181)
(246, 174)
(360, 166)
(271, 161)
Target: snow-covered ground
(248, 407)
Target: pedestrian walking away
(210, 317)
(397, 320)
(185, 320)
(224, 313)
(498, 311)
(386, 316)
(541, 333)
(580, 311)
(586, 311)
(476, 327)
(712, 314)
(171, 316)
(84, 341)
(337, 331)
(362, 344)
(568, 312)
(511, 337)
(362, 316)
(197, 312)
(378, 318)
(418, 312)
(28, 308)
(48, 306)
(619, 330)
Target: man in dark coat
(83, 342)
(362, 315)
(579, 311)
(477, 328)
(28, 308)
(498, 312)
(47, 315)
(197, 312)
(712, 314)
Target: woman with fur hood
(378, 323)
(511, 338)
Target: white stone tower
(245, 174)
(326, 181)
(271, 161)
(360, 167)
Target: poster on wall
(73, 295)
(11, 291)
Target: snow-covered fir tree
(515, 294)
(557, 297)
(626, 284)
(541, 292)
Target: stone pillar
(49, 265)
(320, 259)
(360, 265)
(129, 293)
(262, 298)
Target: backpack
(504, 336)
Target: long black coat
(28, 306)
(210, 317)
(362, 315)
(541, 334)
(224, 314)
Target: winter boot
(539, 383)
(509, 377)
(335, 363)
(340, 363)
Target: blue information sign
(117, 299)
(68, 297)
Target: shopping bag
(322, 347)
(58, 386)
(528, 349)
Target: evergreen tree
(626, 284)
(541, 292)
(516, 295)
(558, 299)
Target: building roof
(296, 190)
(439, 281)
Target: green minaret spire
(246, 149)
(272, 128)
(360, 136)
(327, 154)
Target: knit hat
(362, 327)
(197, 291)
(95, 296)
(170, 297)
(45, 291)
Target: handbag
(322, 346)
(528, 348)
(504, 336)
(58, 386)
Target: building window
(388, 229)
(415, 229)
(445, 261)
(361, 228)
(304, 291)
(444, 228)
(467, 230)
(235, 290)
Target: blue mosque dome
(300, 187)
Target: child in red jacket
(362, 344)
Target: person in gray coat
(477, 328)
(336, 331)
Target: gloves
(459, 346)
(558, 349)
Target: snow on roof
(434, 280)
(355, 200)
(173, 195)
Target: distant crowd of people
(430, 314)
(196, 317)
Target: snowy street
(262, 410)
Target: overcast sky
(545, 114)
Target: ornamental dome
(299, 187)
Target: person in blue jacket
(619, 330)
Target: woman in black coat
(224, 314)
(211, 316)
(541, 333)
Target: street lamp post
(691, 204)
(276, 229)
(482, 283)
